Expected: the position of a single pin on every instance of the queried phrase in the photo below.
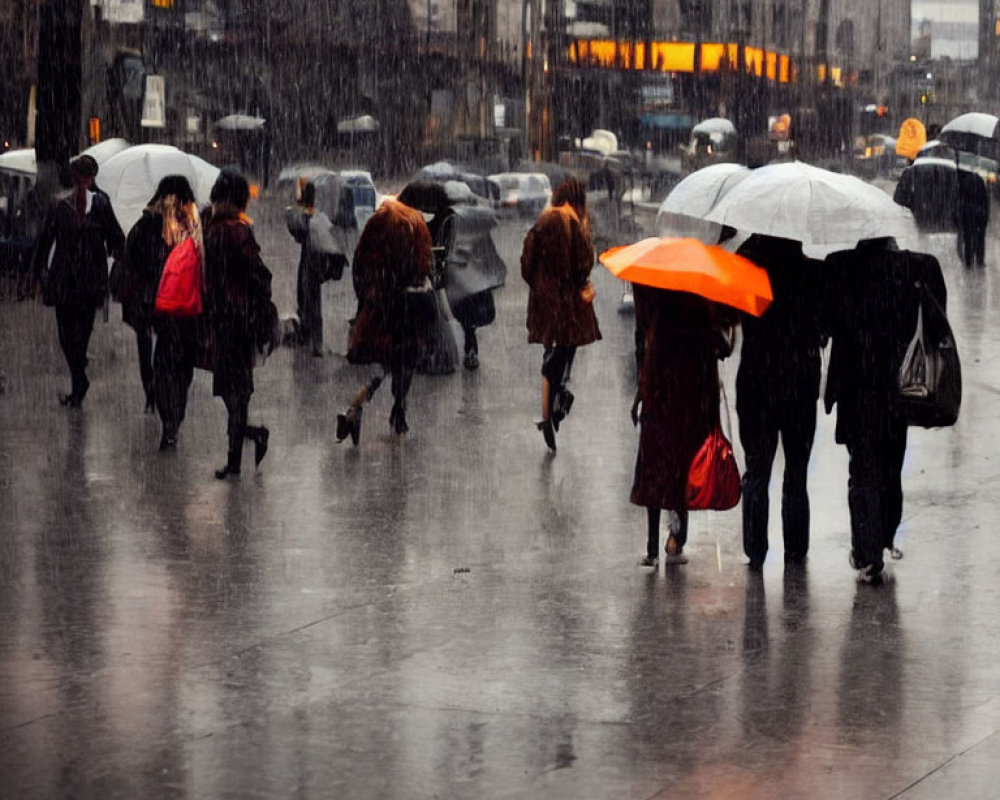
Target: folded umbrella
(688, 265)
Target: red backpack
(179, 294)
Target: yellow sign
(94, 129)
(912, 136)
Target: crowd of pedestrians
(865, 300)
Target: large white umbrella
(240, 122)
(131, 177)
(102, 151)
(22, 161)
(682, 212)
(826, 211)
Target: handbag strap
(728, 432)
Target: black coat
(874, 298)
(779, 358)
(145, 255)
(972, 208)
(78, 270)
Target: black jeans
(144, 343)
(557, 363)
(173, 370)
(875, 492)
(76, 323)
(795, 422)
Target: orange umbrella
(687, 265)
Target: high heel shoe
(260, 439)
(349, 424)
(548, 433)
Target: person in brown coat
(391, 272)
(240, 314)
(678, 337)
(556, 262)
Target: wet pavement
(460, 614)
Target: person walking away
(777, 388)
(70, 263)
(972, 215)
(170, 217)
(876, 293)
(397, 309)
(314, 231)
(241, 316)
(556, 261)
(679, 338)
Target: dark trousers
(972, 243)
(76, 323)
(238, 409)
(144, 344)
(309, 299)
(173, 370)
(796, 424)
(875, 492)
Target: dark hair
(84, 166)
(308, 197)
(572, 191)
(427, 196)
(231, 187)
(176, 185)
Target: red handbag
(179, 294)
(714, 478)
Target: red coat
(679, 388)
(556, 262)
(393, 253)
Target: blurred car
(486, 191)
(874, 155)
(526, 193)
(712, 141)
(366, 196)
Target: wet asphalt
(460, 614)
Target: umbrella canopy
(975, 132)
(102, 151)
(240, 122)
(131, 177)
(688, 265)
(683, 210)
(363, 124)
(22, 161)
(826, 211)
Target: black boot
(232, 467)
(259, 435)
(349, 424)
(397, 420)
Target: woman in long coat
(83, 228)
(678, 337)
(397, 309)
(241, 315)
(170, 217)
(556, 262)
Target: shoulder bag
(714, 478)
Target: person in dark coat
(972, 215)
(84, 232)
(876, 293)
(777, 388)
(239, 310)
(171, 216)
(392, 278)
(556, 261)
(301, 221)
(679, 337)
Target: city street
(460, 613)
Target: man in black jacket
(877, 291)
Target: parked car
(485, 190)
(526, 193)
(712, 141)
(366, 196)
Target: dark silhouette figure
(556, 261)
(777, 387)
(71, 255)
(678, 337)
(972, 215)
(242, 319)
(876, 291)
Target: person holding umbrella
(70, 264)
(687, 297)
(556, 261)
(777, 388)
